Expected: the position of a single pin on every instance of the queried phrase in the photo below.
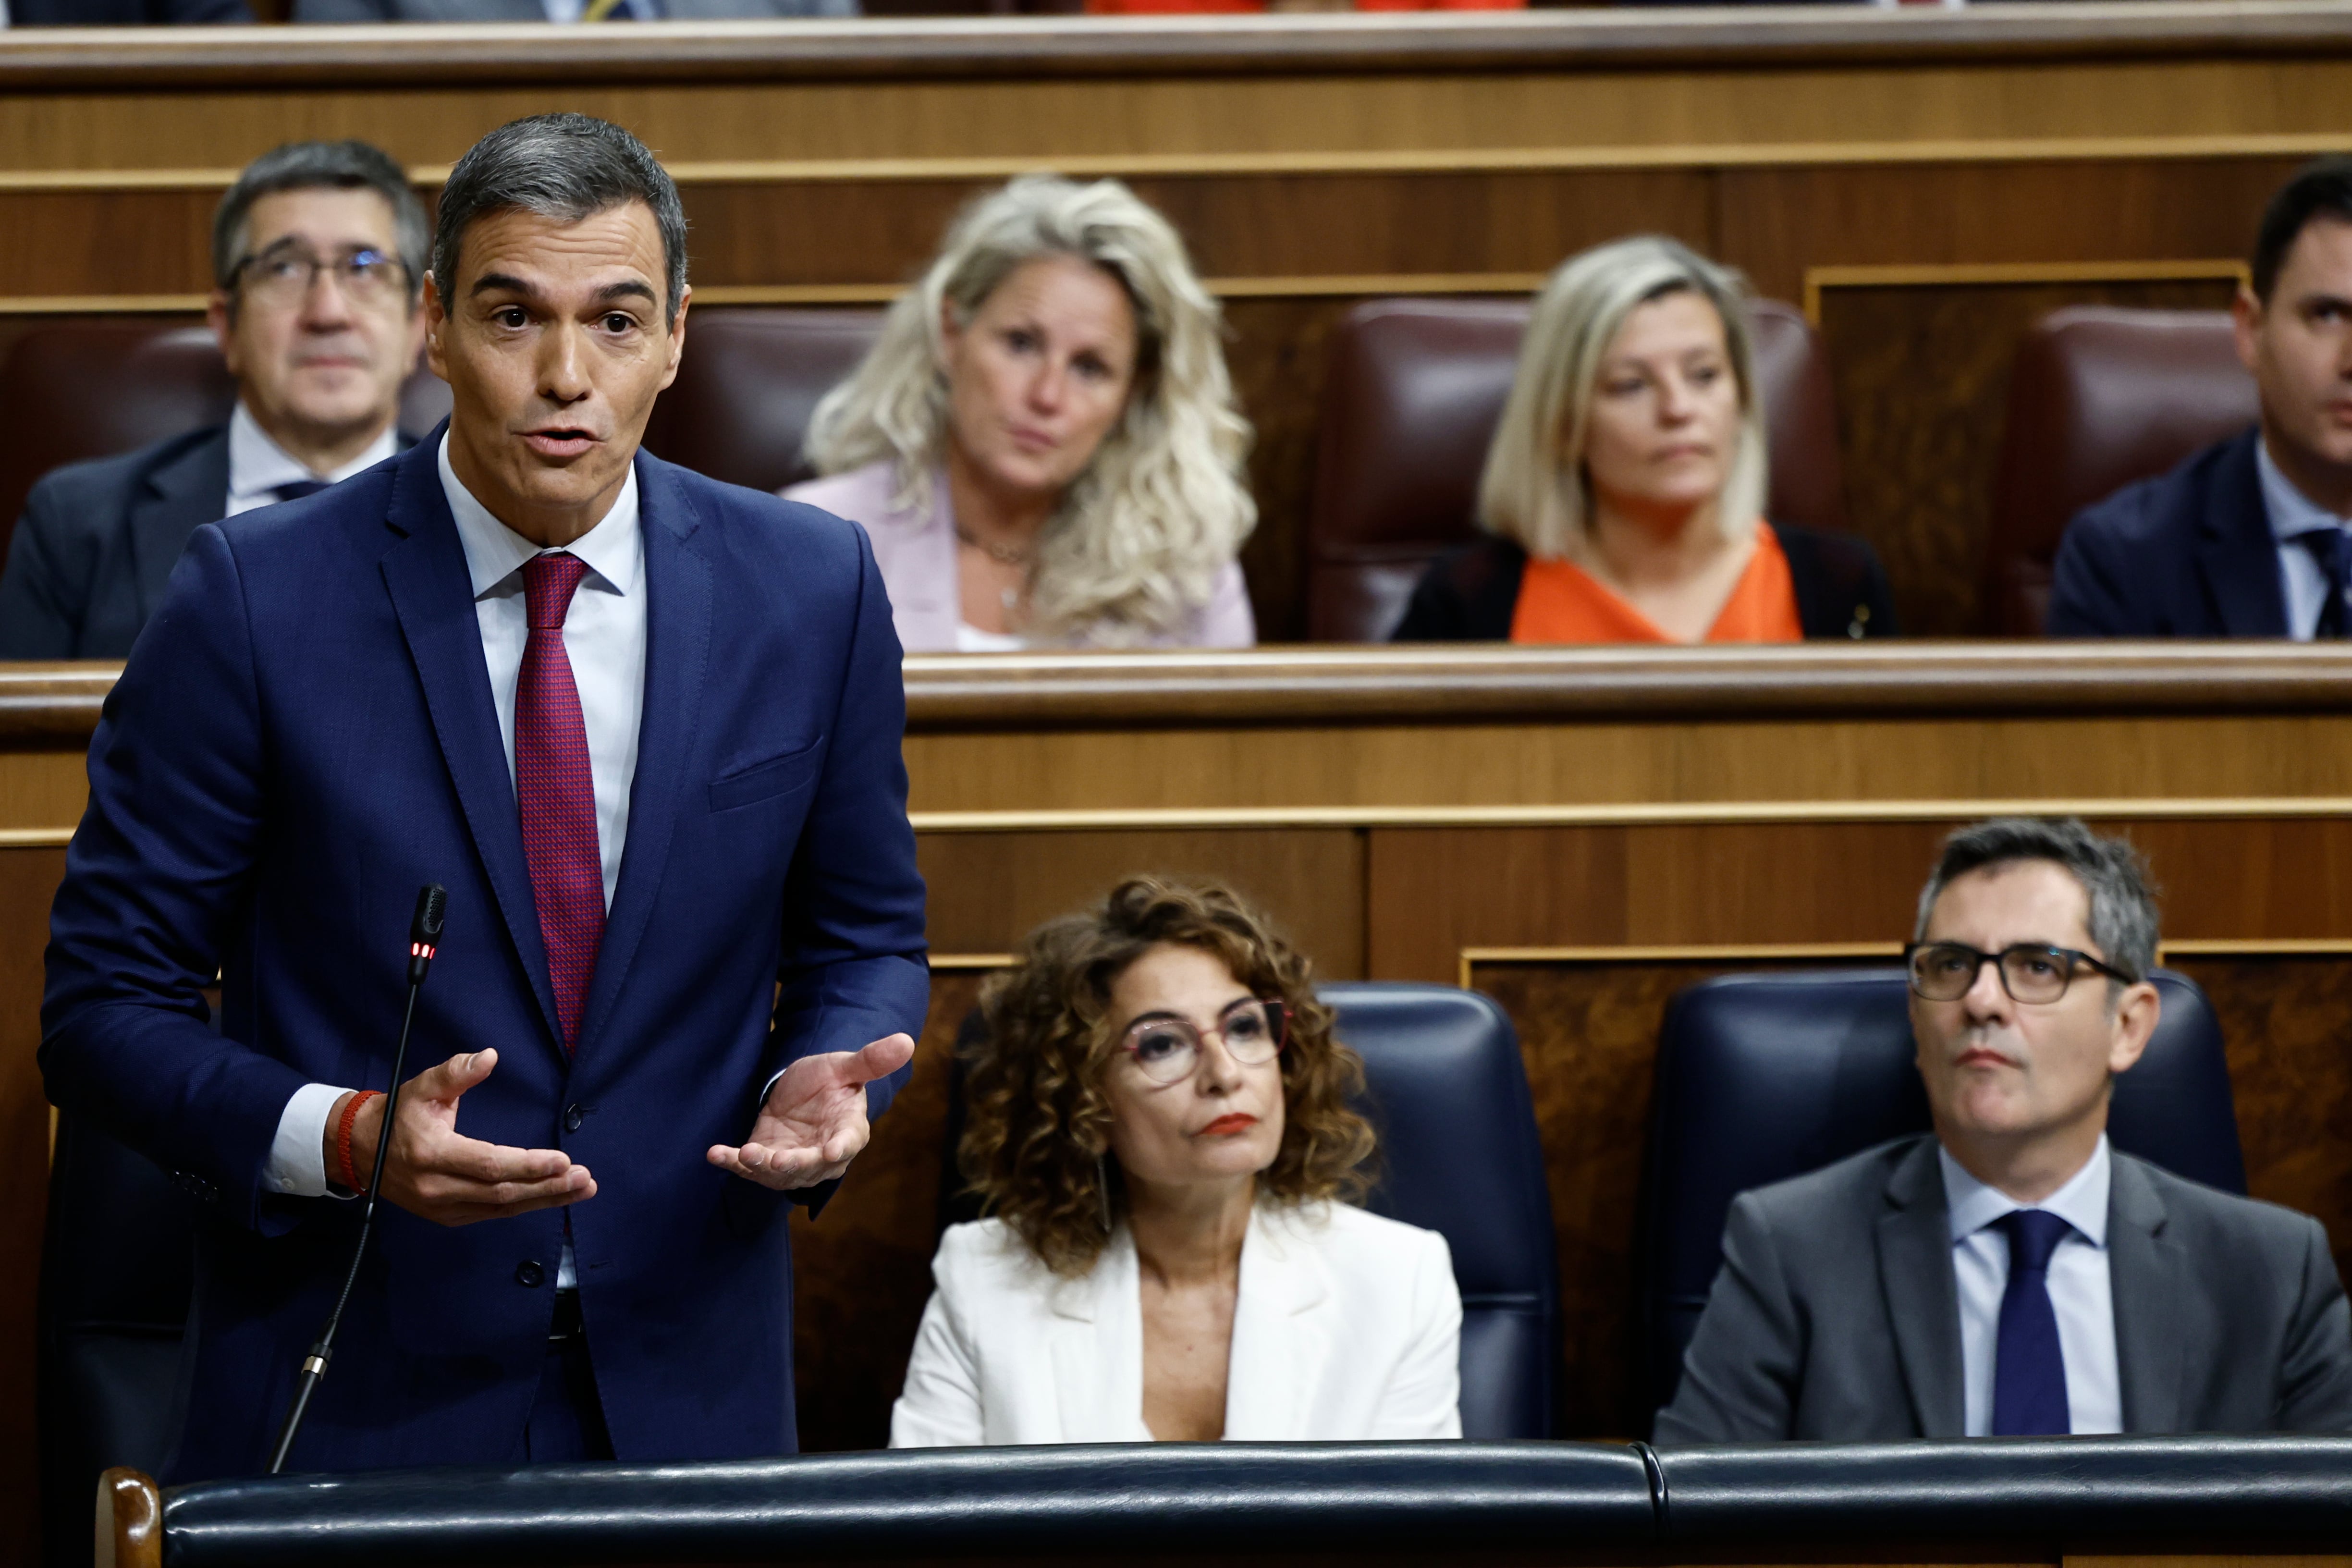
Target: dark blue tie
(2028, 1372)
(299, 488)
(2333, 551)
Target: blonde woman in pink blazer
(1044, 443)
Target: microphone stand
(424, 933)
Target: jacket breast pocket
(770, 780)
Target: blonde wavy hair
(1037, 1124)
(1535, 489)
(1143, 533)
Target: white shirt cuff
(298, 1156)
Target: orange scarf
(1560, 602)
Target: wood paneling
(2287, 1024)
(987, 891)
(1919, 468)
(862, 1269)
(28, 880)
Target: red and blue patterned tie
(557, 792)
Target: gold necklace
(1002, 554)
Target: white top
(605, 637)
(969, 638)
(2292, 513)
(1345, 1327)
(258, 465)
(2080, 1291)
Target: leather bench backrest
(752, 376)
(1409, 403)
(2100, 397)
(91, 388)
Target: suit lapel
(1923, 1299)
(433, 594)
(2236, 550)
(678, 591)
(1280, 1343)
(2147, 1277)
(1097, 1348)
(178, 498)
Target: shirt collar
(258, 465)
(2292, 513)
(613, 550)
(2080, 1202)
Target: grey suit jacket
(1836, 1315)
(98, 542)
(91, 556)
(533, 11)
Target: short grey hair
(2114, 875)
(562, 166)
(319, 166)
(1534, 490)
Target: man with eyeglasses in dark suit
(319, 262)
(2009, 1274)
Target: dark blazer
(90, 556)
(2187, 554)
(304, 735)
(1468, 595)
(1837, 1315)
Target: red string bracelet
(349, 1176)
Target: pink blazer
(916, 551)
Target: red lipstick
(1231, 1121)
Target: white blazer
(1345, 1326)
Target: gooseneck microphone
(423, 938)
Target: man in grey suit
(2011, 1274)
(319, 266)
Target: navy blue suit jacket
(304, 735)
(2187, 554)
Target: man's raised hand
(438, 1175)
(813, 1120)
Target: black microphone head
(431, 906)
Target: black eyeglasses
(285, 273)
(1168, 1049)
(2030, 971)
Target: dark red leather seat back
(750, 378)
(2100, 397)
(1414, 389)
(92, 387)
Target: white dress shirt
(605, 637)
(2080, 1292)
(258, 465)
(2292, 513)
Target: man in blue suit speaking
(645, 728)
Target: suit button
(573, 1116)
(529, 1273)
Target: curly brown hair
(1037, 1122)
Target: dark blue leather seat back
(1459, 1156)
(1764, 1077)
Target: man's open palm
(814, 1122)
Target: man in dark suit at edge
(645, 728)
(2248, 538)
(319, 268)
(2010, 1274)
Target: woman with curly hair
(1043, 444)
(1159, 1125)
